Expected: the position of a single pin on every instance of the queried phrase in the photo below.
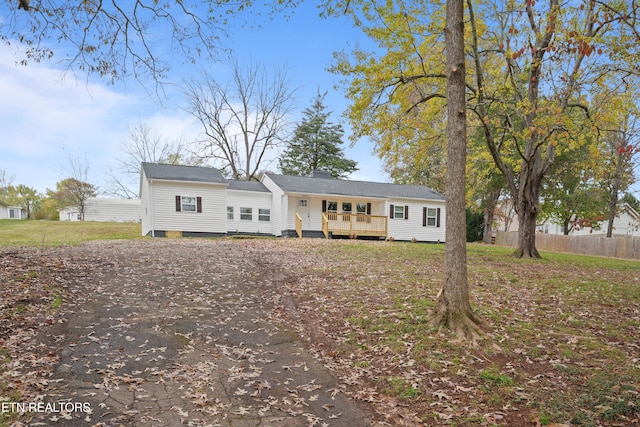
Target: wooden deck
(355, 225)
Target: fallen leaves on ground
(561, 345)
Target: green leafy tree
(74, 193)
(24, 197)
(535, 68)
(316, 145)
(572, 190)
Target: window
(346, 209)
(230, 212)
(398, 212)
(246, 214)
(264, 215)
(431, 217)
(332, 206)
(361, 208)
(188, 204)
(14, 213)
(302, 203)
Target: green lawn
(57, 233)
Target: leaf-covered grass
(561, 344)
(58, 233)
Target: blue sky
(47, 117)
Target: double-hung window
(398, 212)
(264, 215)
(230, 213)
(188, 204)
(430, 217)
(246, 214)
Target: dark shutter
(406, 211)
(178, 203)
(391, 208)
(368, 208)
(424, 217)
(199, 204)
(438, 218)
(324, 206)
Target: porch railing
(343, 224)
(298, 225)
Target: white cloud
(45, 119)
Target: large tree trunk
(453, 310)
(527, 208)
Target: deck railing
(298, 225)
(344, 224)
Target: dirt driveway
(176, 332)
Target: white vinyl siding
(213, 218)
(411, 226)
(243, 222)
(279, 208)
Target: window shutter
(368, 208)
(324, 206)
(406, 211)
(438, 218)
(199, 204)
(391, 208)
(178, 203)
(424, 217)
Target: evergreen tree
(316, 145)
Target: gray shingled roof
(301, 184)
(295, 184)
(182, 173)
(247, 186)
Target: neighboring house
(197, 201)
(625, 223)
(104, 210)
(12, 212)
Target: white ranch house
(198, 201)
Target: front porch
(353, 225)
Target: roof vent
(325, 174)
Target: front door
(302, 208)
